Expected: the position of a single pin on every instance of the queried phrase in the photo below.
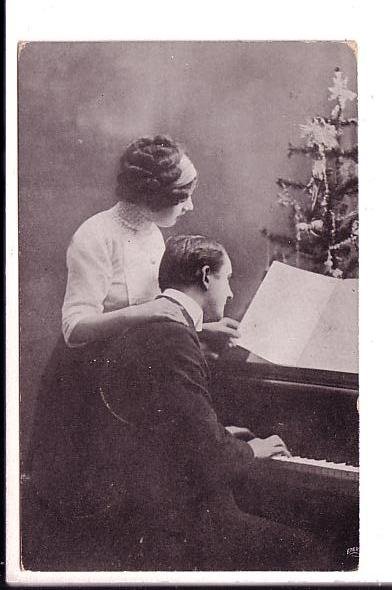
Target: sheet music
(303, 319)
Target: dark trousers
(51, 541)
(223, 539)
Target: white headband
(188, 172)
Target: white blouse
(113, 261)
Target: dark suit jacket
(143, 432)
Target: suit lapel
(191, 324)
(183, 310)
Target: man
(152, 486)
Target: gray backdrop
(235, 105)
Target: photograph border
(46, 20)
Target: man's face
(219, 291)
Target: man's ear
(205, 277)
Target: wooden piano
(316, 414)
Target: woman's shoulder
(98, 227)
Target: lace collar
(131, 216)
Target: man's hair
(184, 258)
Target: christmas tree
(323, 210)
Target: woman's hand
(264, 448)
(160, 309)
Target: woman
(113, 263)
(114, 257)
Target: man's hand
(241, 433)
(217, 335)
(265, 448)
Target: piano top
(237, 363)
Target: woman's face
(168, 217)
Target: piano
(315, 412)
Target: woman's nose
(188, 205)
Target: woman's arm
(90, 272)
(99, 326)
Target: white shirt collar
(189, 304)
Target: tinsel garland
(349, 153)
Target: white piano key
(320, 467)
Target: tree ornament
(318, 169)
(318, 133)
(339, 90)
(355, 229)
(329, 262)
(335, 112)
(317, 225)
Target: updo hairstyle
(149, 167)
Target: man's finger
(230, 322)
(282, 449)
(276, 439)
(230, 332)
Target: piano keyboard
(320, 467)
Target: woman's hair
(184, 258)
(149, 169)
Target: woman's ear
(205, 277)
